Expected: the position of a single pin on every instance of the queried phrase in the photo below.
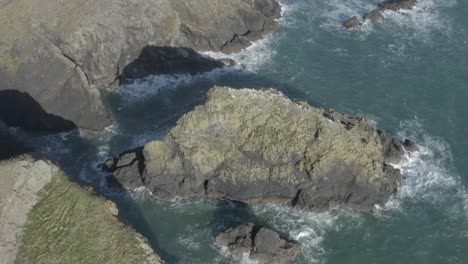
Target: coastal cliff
(58, 53)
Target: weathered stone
(87, 44)
(46, 218)
(374, 16)
(353, 22)
(260, 244)
(257, 145)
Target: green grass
(73, 225)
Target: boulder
(87, 45)
(260, 244)
(258, 145)
(374, 16)
(47, 218)
(396, 5)
(353, 22)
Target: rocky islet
(259, 146)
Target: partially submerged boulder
(376, 14)
(258, 243)
(47, 218)
(396, 5)
(258, 145)
(353, 22)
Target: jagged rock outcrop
(46, 218)
(61, 52)
(258, 145)
(376, 14)
(260, 244)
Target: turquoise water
(409, 74)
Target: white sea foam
(152, 85)
(430, 176)
(260, 52)
(308, 228)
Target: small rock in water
(261, 244)
(352, 23)
(410, 146)
(374, 16)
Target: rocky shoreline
(87, 45)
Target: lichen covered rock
(258, 145)
(46, 218)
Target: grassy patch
(73, 225)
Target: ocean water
(408, 73)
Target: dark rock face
(392, 148)
(374, 16)
(396, 5)
(125, 167)
(352, 23)
(260, 244)
(86, 45)
(259, 146)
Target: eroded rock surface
(46, 218)
(258, 145)
(61, 52)
(258, 243)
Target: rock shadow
(155, 60)
(20, 109)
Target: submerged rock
(258, 145)
(353, 22)
(260, 244)
(89, 44)
(396, 5)
(376, 14)
(47, 218)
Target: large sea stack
(258, 145)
